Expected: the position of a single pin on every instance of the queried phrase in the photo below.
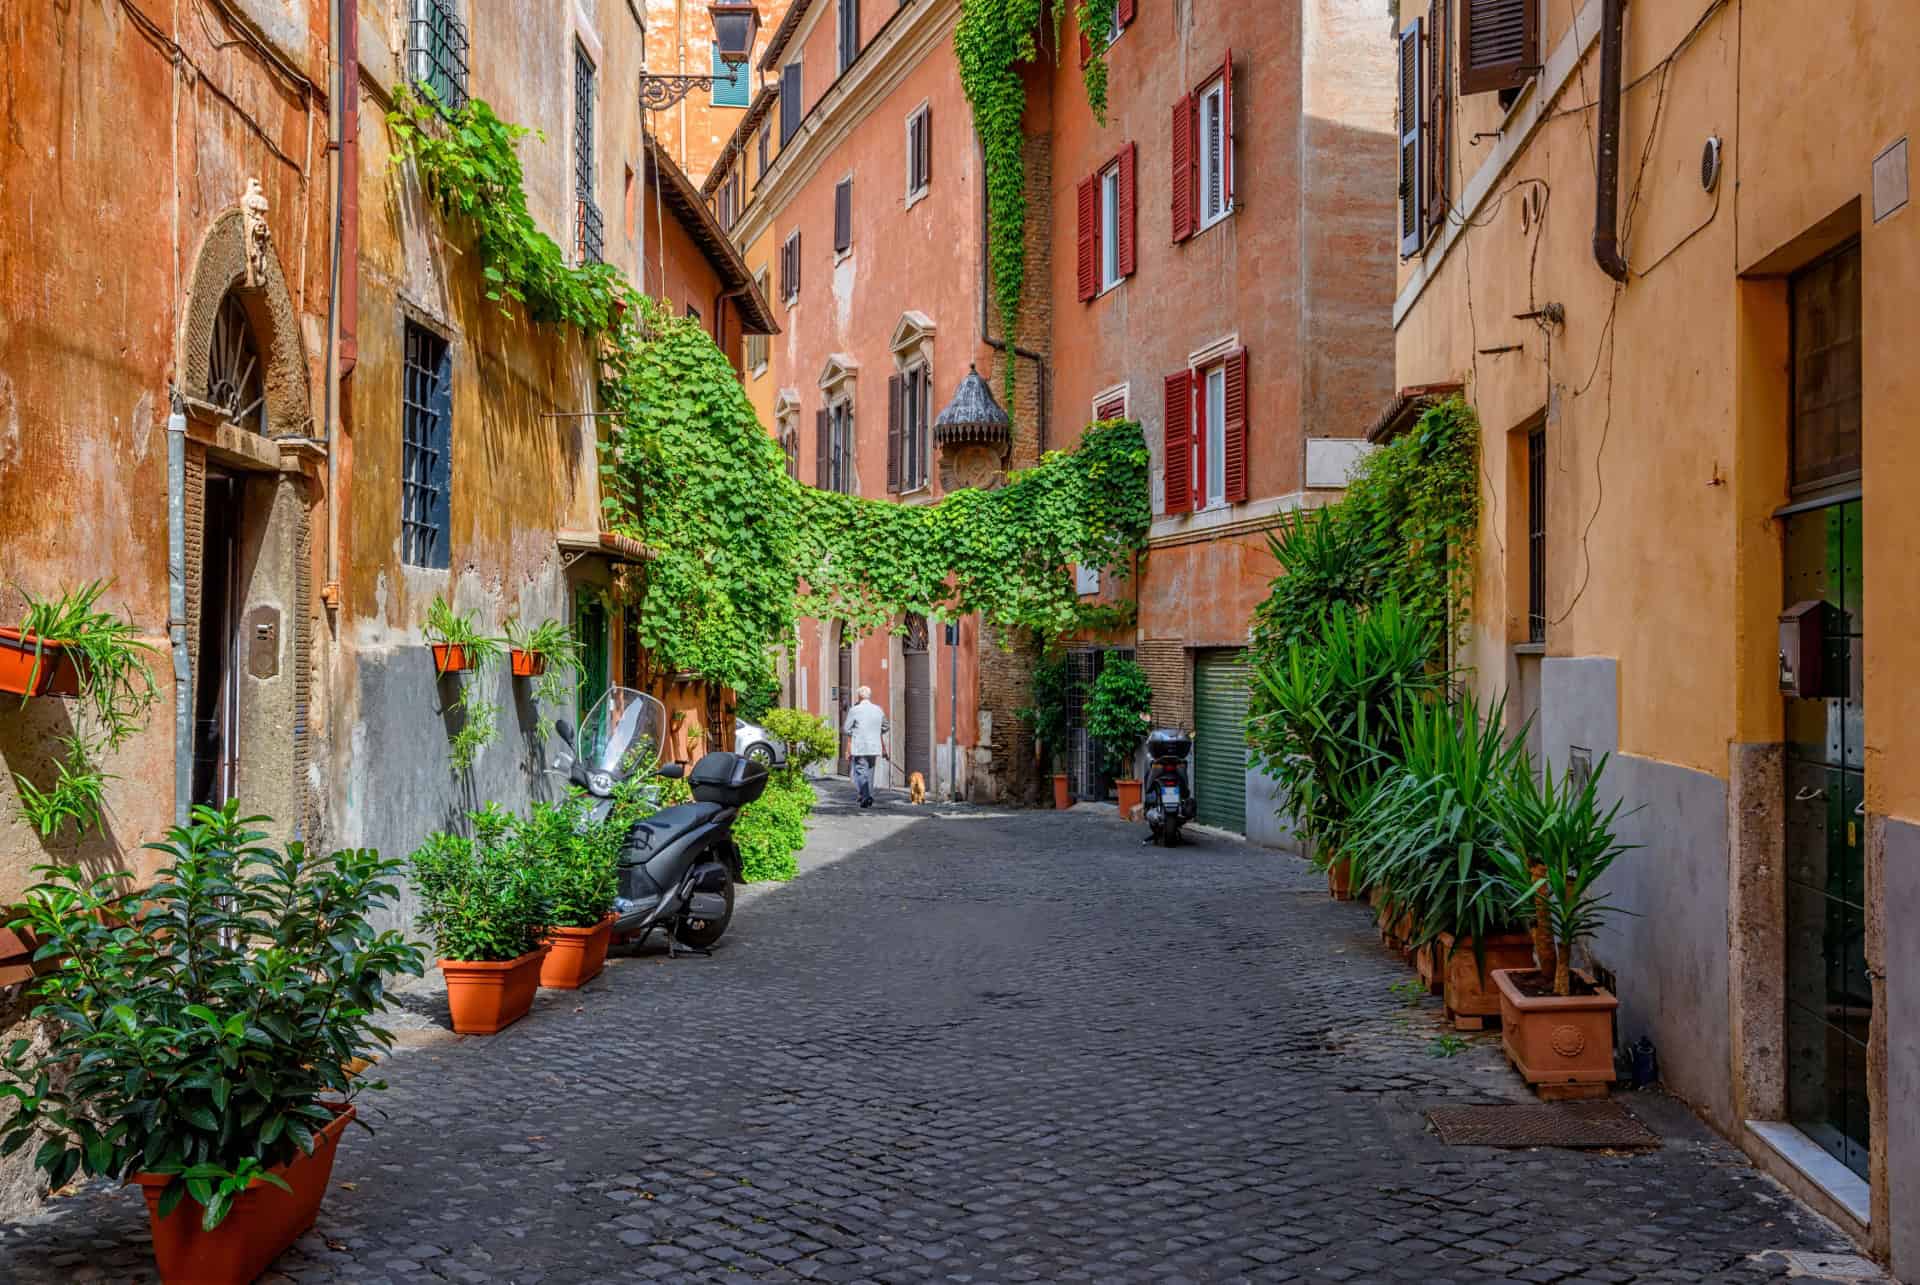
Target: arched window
(235, 383)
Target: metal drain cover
(1601, 1124)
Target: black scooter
(678, 866)
(1167, 795)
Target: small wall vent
(1710, 163)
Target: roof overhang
(606, 544)
(783, 34)
(690, 211)
(1406, 407)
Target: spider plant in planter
(1556, 843)
(486, 910)
(577, 863)
(550, 654)
(1119, 711)
(210, 1027)
(459, 646)
(1429, 841)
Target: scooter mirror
(564, 728)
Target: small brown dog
(917, 786)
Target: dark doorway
(843, 696)
(216, 693)
(1085, 776)
(917, 718)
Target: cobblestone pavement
(981, 1046)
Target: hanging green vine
(1096, 18)
(739, 549)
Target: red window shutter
(1086, 49)
(1235, 463)
(823, 455)
(1177, 439)
(1089, 238)
(1128, 155)
(1185, 204)
(894, 385)
(1499, 44)
(1126, 8)
(1226, 128)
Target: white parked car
(757, 743)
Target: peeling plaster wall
(694, 131)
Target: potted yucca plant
(1557, 842)
(485, 909)
(211, 1029)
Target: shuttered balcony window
(426, 447)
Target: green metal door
(1220, 738)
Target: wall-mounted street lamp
(736, 23)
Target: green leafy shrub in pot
(808, 737)
(1047, 716)
(772, 829)
(1119, 709)
(206, 1018)
(574, 860)
(480, 902)
(1557, 842)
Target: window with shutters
(426, 448)
(1106, 226)
(1437, 119)
(909, 428)
(1110, 227)
(791, 108)
(1205, 457)
(919, 153)
(1216, 200)
(790, 268)
(723, 206)
(849, 33)
(1499, 44)
(1110, 403)
(1411, 110)
(730, 87)
(840, 475)
(1203, 154)
(843, 216)
(758, 345)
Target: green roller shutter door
(1220, 738)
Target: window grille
(1537, 535)
(582, 123)
(426, 450)
(590, 245)
(437, 51)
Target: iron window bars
(591, 242)
(426, 452)
(590, 237)
(437, 51)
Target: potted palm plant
(1556, 843)
(1047, 717)
(206, 1033)
(1119, 711)
(486, 911)
(576, 861)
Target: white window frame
(1213, 435)
(1106, 396)
(916, 194)
(1113, 31)
(1216, 149)
(1110, 228)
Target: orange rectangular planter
(1470, 992)
(1129, 794)
(528, 665)
(51, 673)
(485, 996)
(263, 1222)
(1554, 1041)
(575, 956)
(449, 658)
(1062, 793)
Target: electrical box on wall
(1803, 640)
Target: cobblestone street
(984, 1046)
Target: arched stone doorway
(253, 476)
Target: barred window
(590, 240)
(426, 450)
(437, 51)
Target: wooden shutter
(842, 215)
(789, 101)
(1177, 441)
(1126, 9)
(1235, 464)
(1411, 206)
(1089, 238)
(1128, 155)
(823, 450)
(796, 265)
(1438, 117)
(1499, 44)
(1186, 180)
(1226, 132)
(896, 387)
(923, 127)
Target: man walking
(864, 727)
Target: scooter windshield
(623, 733)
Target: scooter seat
(668, 824)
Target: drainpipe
(1606, 213)
(986, 336)
(177, 609)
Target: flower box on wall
(23, 673)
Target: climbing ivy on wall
(991, 40)
(741, 549)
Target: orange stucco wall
(680, 43)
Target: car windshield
(623, 733)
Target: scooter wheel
(711, 930)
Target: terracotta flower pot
(449, 658)
(1470, 994)
(1062, 794)
(264, 1219)
(1561, 1045)
(528, 664)
(1340, 880)
(52, 673)
(485, 996)
(575, 956)
(1129, 792)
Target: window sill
(914, 198)
(1109, 288)
(1529, 649)
(841, 256)
(1216, 220)
(1817, 1166)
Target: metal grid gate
(1083, 750)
